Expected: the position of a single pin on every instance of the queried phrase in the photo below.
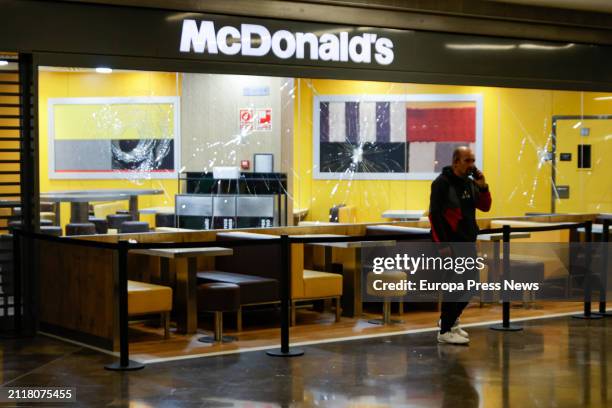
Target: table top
(317, 223)
(172, 229)
(318, 236)
(155, 210)
(404, 214)
(356, 244)
(398, 228)
(97, 195)
(128, 191)
(300, 212)
(82, 198)
(184, 252)
(246, 235)
(500, 236)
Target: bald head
(460, 151)
(463, 161)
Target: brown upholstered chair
(100, 223)
(130, 227)
(255, 269)
(218, 298)
(115, 220)
(164, 220)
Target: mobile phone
(474, 173)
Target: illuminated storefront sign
(255, 40)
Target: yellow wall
(516, 131)
(117, 84)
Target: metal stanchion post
(605, 239)
(506, 326)
(285, 282)
(124, 364)
(588, 231)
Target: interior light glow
(545, 47)
(496, 47)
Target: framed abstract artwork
(392, 137)
(110, 138)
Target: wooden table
(350, 253)
(298, 214)
(79, 200)
(186, 276)
(317, 223)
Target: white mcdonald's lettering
(256, 41)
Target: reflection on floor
(147, 344)
(561, 362)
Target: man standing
(455, 195)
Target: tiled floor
(560, 362)
(261, 329)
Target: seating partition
(556, 258)
(80, 299)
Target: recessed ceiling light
(3, 63)
(104, 70)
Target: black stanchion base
(592, 316)
(604, 314)
(211, 339)
(510, 328)
(293, 352)
(132, 366)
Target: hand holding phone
(475, 173)
(478, 177)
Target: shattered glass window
(238, 151)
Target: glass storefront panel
(239, 151)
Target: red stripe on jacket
(484, 201)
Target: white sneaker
(452, 338)
(456, 329)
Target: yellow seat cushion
(321, 284)
(146, 298)
(101, 210)
(395, 277)
(347, 214)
